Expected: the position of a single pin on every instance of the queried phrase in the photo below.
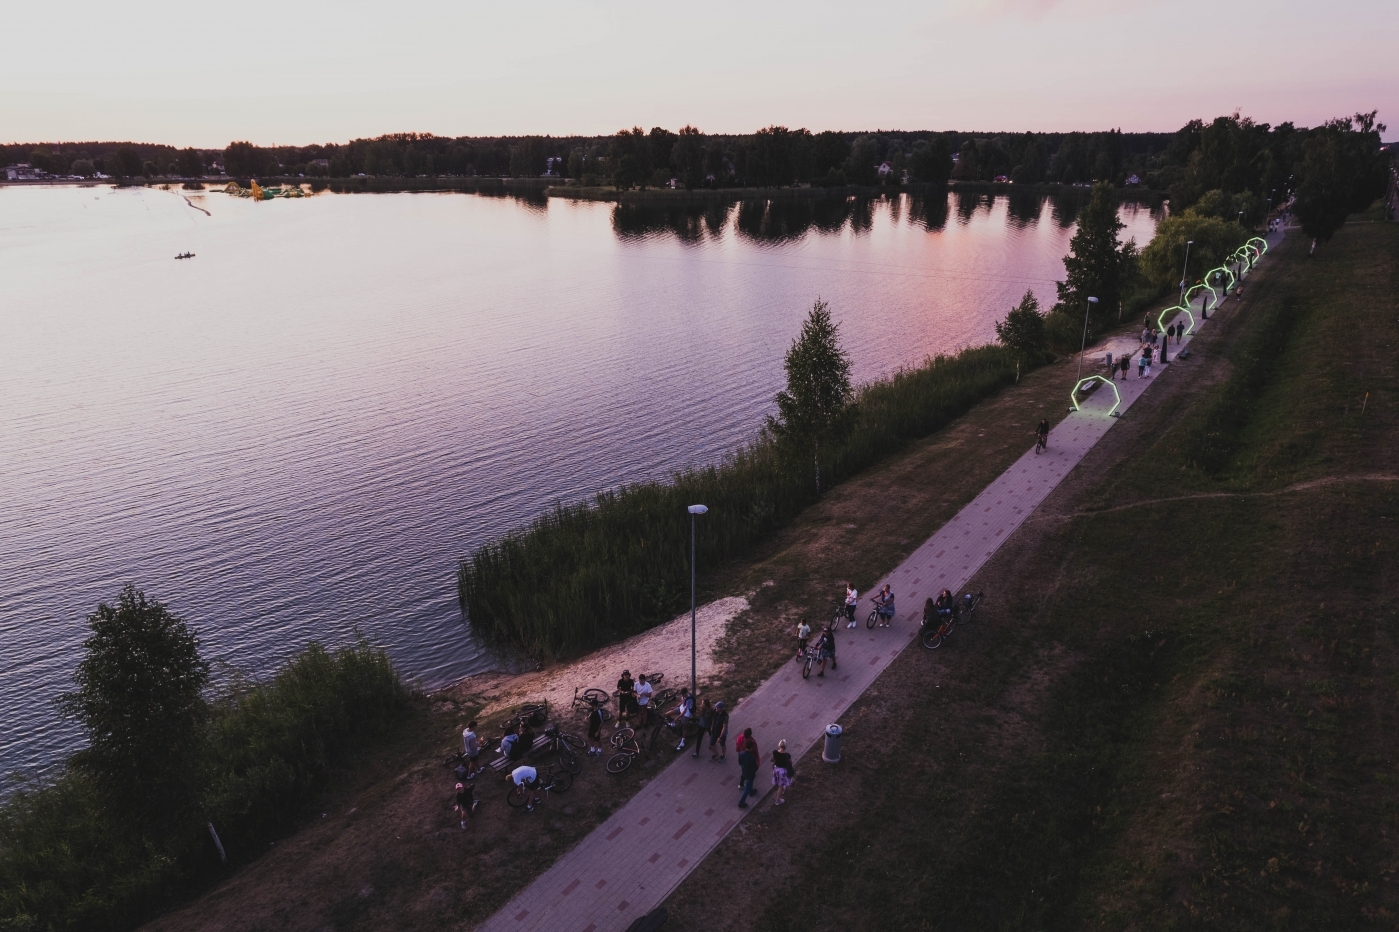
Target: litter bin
(831, 753)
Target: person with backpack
(595, 731)
(718, 732)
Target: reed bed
(593, 572)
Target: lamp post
(695, 510)
(1084, 344)
(1184, 266)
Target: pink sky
(299, 72)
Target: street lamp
(1185, 265)
(694, 510)
(1084, 344)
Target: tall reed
(590, 573)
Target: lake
(299, 431)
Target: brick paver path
(629, 864)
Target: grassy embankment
(1179, 708)
(67, 861)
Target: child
(803, 636)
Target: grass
(1179, 710)
(591, 573)
(68, 862)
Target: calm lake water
(300, 430)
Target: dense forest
(1248, 162)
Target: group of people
(883, 604)
(825, 645)
(1154, 345)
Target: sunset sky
(299, 72)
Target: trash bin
(831, 753)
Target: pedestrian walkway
(629, 864)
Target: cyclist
(803, 638)
(527, 777)
(1042, 433)
(884, 605)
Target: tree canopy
(1022, 331)
(818, 384)
(1099, 264)
(1342, 171)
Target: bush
(67, 861)
(590, 573)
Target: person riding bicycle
(1042, 433)
(884, 605)
(803, 637)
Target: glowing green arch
(1227, 271)
(1160, 321)
(1259, 239)
(1188, 298)
(1073, 395)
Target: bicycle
(530, 714)
(549, 781)
(624, 740)
(968, 605)
(935, 634)
(841, 619)
(877, 613)
(566, 746)
(809, 660)
(1041, 442)
(592, 699)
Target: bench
(501, 761)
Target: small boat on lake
(185, 255)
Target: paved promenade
(629, 864)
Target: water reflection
(787, 220)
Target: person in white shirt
(527, 777)
(643, 698)
(681, 715)
(852, 598)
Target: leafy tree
(1098, 264)
(818, 385)
(243, 160)
(687, 156)
(83, 167)
(931, 162)
(1212, 240)
(1022, 332)
(1342, 171)
(140, 698)
(862, 166)
(191, 163)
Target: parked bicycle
(565, 745)
(535, 713)
(628, 746)
(589, 699)
(549, 781)
(962, 612)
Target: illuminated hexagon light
(1073, 395)
(1182, 308)
(1227, 271)
(1258, 239)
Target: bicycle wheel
(622, 735)
(618, 762)
(596, 696)
(873, 617)
(932, 638)
(607, 715)
(568, 761)
(561, 782)
(655, 679)
(573, 741)
(840, 619)
(518, 796)
(806, 668)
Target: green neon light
(1073, 395)
(1161, 321)
(1227, 271)
(1189, 296)
(1260, 239)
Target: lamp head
(697, 509)
(1092, 300)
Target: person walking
(718, 732)
(826, 649)
(595, 731)
(747, 773)
(1126, 365)
(1147, 355)
(746, 740)
(471, 747)
(782, 771)
(1141, 364)
(466, 802)
(852, 598)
